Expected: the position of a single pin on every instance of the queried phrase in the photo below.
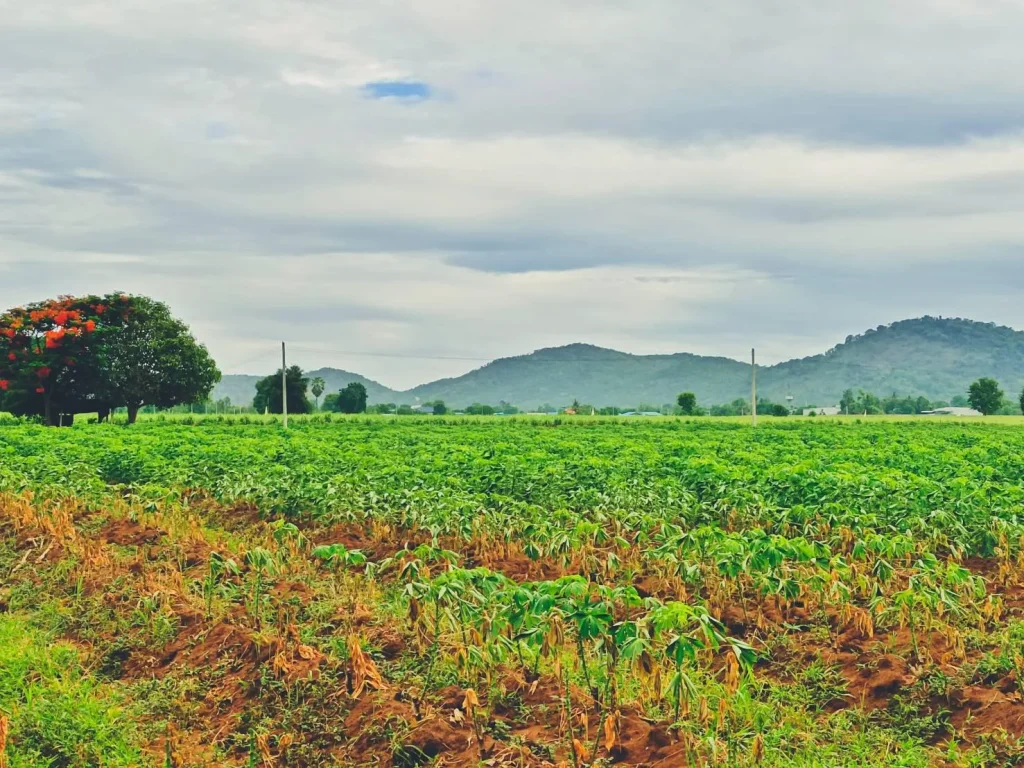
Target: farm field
(373, 591)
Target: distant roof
(952, 411)
(825, 411)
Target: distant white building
(952, 411)
(826, 411)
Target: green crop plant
(217, 566)
(261, 562)
(617, 572)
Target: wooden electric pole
(284, 387)
(753, 389)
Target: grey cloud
(225, 157)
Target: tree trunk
(48, 415)
(133, 413)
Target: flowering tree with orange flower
(41, 348)
(94, 353)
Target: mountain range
(934, 357)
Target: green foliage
(317, 387)
(100, 353)
(687, 402)
(352, 399)
(152, 359)
(985, 395)
(268, 393)
(59, 714)
(738, 407)
(242, 388)
(682, 538)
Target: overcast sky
(460, 180)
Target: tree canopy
(268, 392)
(687, 402)
(352, 399)
(317, 388)
(985, 395)
(73, 355)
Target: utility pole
(284, 387)
(753, 389)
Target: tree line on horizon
(96, 354)
(983, 395)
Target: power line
(254, 358)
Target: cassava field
(466, 592)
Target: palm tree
(317, 389)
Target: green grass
(60, 716)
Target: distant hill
(934, 357)
(937, 358)
(241, 388)
(592, 375)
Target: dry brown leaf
(364, 671)
(263, 744)
(611, 731)
(4, 725)
(703, 714)
(581, 751)
(280, 665)
(732, 672)
(584, 721)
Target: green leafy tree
(848, 402)
(440, 409)
(870, 403)
(93, 353)
(317, 388)
(151, 358)
(687, 402)
(268, 392)
(985, 395)
(352, 399)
